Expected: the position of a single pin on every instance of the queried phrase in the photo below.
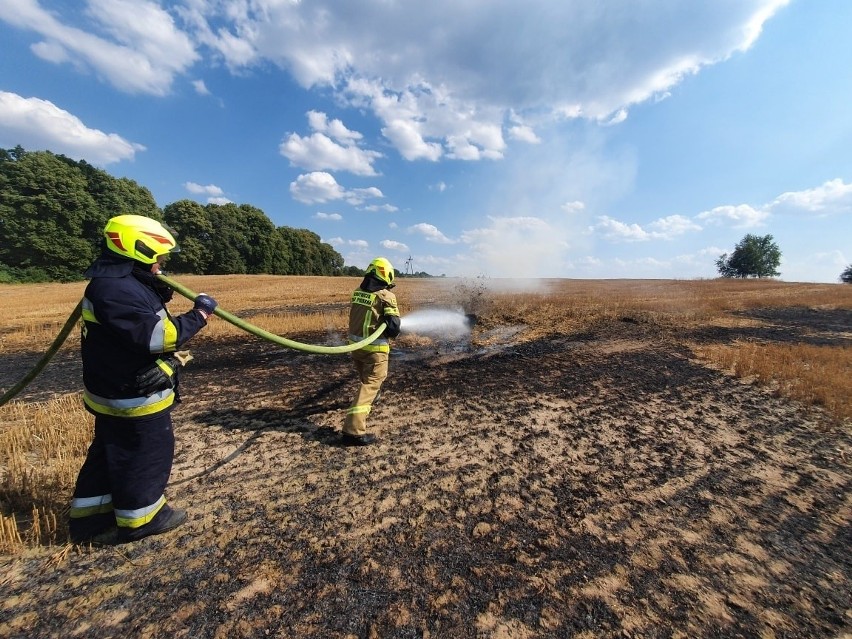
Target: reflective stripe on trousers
(372, 369)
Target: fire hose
(225, 315)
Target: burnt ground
(595, 485)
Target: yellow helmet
(138, 237)
(383, 269)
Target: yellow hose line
(225, 315)
(272, 337)
(48, 355)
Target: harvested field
(587, 477)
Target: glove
(159, 376)
(205, 305)
(394, 325)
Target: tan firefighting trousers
(372, 370)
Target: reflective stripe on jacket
(365, 314)
(125, 328)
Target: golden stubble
(43, 444)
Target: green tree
(309, 255)
(53, 211)
(47, 217)
(194, 233)
(846, 275)
(754, 256)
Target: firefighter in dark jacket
(372, 304)
(130, 375)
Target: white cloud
(833, 196)
(38, 124)
(524, 133)
(200, 87)
(318, 151)
(440, 87)
(213, 193)
(331, 146)
(316, 187)
(434, 82)
(431, 233)
(197, 189)
(612, 229)
(409, 141)
(388, 208)
(319, 187)
(319, 122)
(664, 228)
(142, 51)
(672, 226)
(393, 245)
(574, 207)
(357, 196)
(334, 217)
(740, 216)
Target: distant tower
(409, 265)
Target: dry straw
(43, 444)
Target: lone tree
(754, 256)
(846, 276)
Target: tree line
(53, 210)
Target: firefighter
(130, 377)
(372, 304)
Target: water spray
(438, 322)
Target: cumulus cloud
(833, 196)
(409, 141)
(334, 217)
(138, 48)
(616, 230)
(316, 187)
(430, 232)
(665, 228)
(335, 128)
(212, 193)
(574, 207)
(331, 147)
(524, 133)
(40, 124)
(197, 189)
(672, 226)
(392, 245)
(435, 83)
(200, 87)
(440, 87)
(739, 216)
(388, 208)
(319, 187)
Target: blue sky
(544, 138)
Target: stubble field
(595, 459)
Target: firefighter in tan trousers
(372, 304)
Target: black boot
(167, 519)
(358, 440)
(83, 530)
